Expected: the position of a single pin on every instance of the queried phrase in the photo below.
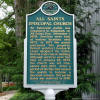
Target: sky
(3, 11)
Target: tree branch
(6, 18)
(1, 3)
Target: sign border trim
(45, 86)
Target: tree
(7, 53)
(2, 45)
(85, 39)
(86, 80)
(0, 82)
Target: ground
(7, 95)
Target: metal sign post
(50, 64)
(49, 94)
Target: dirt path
(7, 95)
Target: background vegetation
(11, 46)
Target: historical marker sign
(50, 49)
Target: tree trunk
(19, 7)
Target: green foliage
(3, 35)
(10, 88)
(28, 96)
(8, 53)
(11, 55)
(86, 78)
(0, 83)
(8, 2)
(10, 23)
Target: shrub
(10, 88)
(27, 96)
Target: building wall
(95, 22)
(96, 54)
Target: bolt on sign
(50, 49)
